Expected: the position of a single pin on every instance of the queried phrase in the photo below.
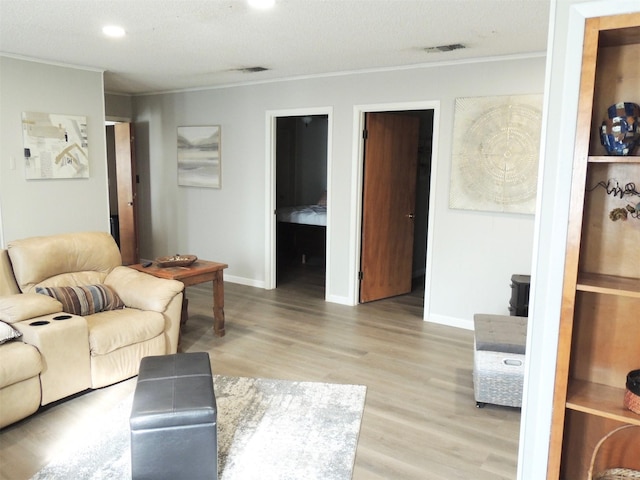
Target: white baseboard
(450, 321)
(339, 300)
(249, 282)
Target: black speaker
(519, 303)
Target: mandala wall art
(496, 144)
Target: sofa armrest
(24, 306)
(141, 290)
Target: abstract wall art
(55, 146)
(496, 145)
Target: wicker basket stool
(498, 360)
(619, 474)
(617, 455)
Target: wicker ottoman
(173, 419)
(498, 359)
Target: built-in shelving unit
(608, 284)
(599, 341)
(600, 400)
(601, 159)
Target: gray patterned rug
(267, 429)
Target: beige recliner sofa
(62, 353)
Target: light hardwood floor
(420, 419)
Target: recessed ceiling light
(262, 4)
(113, 31)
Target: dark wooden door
(389, 192)
(127, 201)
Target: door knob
(410, 215)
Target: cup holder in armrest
(38, 323)
(62, 317)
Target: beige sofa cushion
(8, 284)
(124, 362)
(66, 259)
(23, 306)
(19, 400)
(18, 361)
(141, 290)
(114, 329)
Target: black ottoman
(173, 419)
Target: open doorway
(412, 246)
(301, 198)
(122, 178)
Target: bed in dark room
(302, 234)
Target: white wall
(561, 105)
(475, 253)
(43, 207)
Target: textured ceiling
(182, 44)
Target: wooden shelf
(614, 158)
(600, 400)
(599, 325)
(619, 30)
(608, 284)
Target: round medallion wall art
(496, 144)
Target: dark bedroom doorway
(301, 198)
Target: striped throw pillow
(85, 299)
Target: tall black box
(519, 303)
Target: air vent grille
(445, 48)
(251, 69)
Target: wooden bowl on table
(175, 261)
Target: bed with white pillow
(302, 230)
(304, 215)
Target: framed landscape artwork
(55, 146)
(199, 162)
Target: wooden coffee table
(200, 271)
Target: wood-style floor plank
(420, 419)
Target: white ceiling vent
(445, 48)
(251, 69)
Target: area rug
(267, 429)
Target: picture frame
(199, 156)
(56, 146)
(495, 153)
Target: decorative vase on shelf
(620, 133)
(632, 394)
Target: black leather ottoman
(173, 419)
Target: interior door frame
(270, 189)
(113, 121)
(127, 193)
(359, 112)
